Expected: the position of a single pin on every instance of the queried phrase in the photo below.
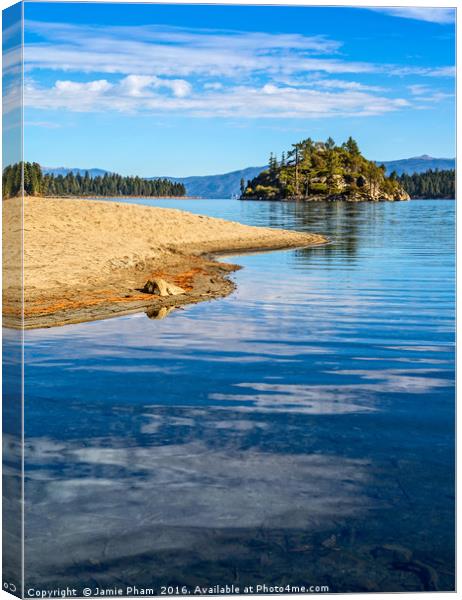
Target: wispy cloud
(199, 72)
(12, 34)
(338, 84)
(134, 94)
(190, 37)
(443, 16)
(419, 89)
(425, 95)
(44, 124)
(433, 72)
(168, 51)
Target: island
(87, 259)
(312, 171)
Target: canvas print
(228, 299)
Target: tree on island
(323, 170)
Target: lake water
(299, 431)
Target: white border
(356, 3)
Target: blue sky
(12, 85)
(191, 90)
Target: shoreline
(87, 260)
(319, 198)
(110, 198)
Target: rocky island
(323, 171)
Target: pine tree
(36, 184)
(317, 169)
(430, 184)
(351, 146)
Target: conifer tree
(111, 184)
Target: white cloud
(140, 85)
(423, 71)
(166, 51)
(179, 53)
(12, 96)
(135, 85)
(180, 88)
(189, 37)
(425, 95)
(12, 33)
(442, 16)
(442, 72)
(12, 63)
(91, 88)
(419, 90)
(159, 69)
(343, 84)
(144, 94)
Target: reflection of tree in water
(346, 224)
(338, 220)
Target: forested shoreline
(324, 171)
(109, 184)
(430, 184)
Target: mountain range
(418, 164)
(65, 170)
(228, 184)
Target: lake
(299, 431)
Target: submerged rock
(162, 288)
(392, 552)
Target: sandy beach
(87, 260)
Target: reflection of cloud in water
(220, 441)
(11, 505)
(247, 338)
(332, 399)
(309, 400)
(419, 348)
(135, 499)
(138, 368)
(398, 380)
(409, 359)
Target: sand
(86, 260)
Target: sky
(186, 90)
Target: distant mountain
(64, 171)
(228, 184)
(206, 186)
(217, 186)
(418, 164)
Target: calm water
(299, 431)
